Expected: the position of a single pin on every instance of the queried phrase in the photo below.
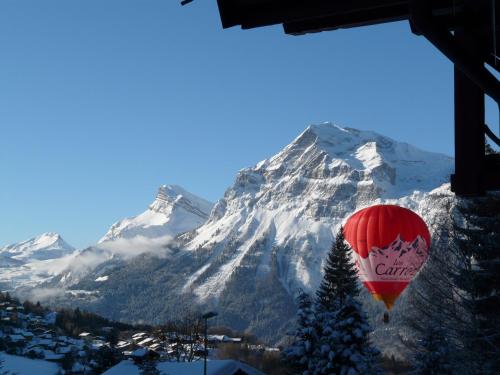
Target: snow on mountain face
(288, 208)
(174, 211)
(43, 247)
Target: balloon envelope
(390, 244)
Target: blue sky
(103, 101)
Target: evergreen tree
(343, 346)
(340, 279)
(434, 316)
(298, 355)
(458, 291)
(478, 239)
(434, 354)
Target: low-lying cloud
(73, 267)
(128, 248)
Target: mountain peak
(174, 211)
(327, 129)
(171, 196)
(44, 240)
(48, 245)
(171, 192)
(49, 236)
(394, 167)
(333, 138)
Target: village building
(144, 354)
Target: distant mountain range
(247, 255)
(45, 257)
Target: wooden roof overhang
(464, 30)
(303, 16)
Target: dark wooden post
(468, 179)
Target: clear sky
(103, 101)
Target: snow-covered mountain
(174, 211)
(269, 235)
(297, 199)
(43, 247)
(28, 262)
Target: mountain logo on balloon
(399, 261)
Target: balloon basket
(385, 319)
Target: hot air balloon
(391, 244)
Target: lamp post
(207, 316)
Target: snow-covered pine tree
(433, 317)
(433, 355)
(459, 289)
(298, 355)
(343, 346)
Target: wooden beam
(345, 20)
(469, 176)
(257, 13)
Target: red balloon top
(380, 225)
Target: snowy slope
(174, 211)
(45, 246)
(297, 199)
